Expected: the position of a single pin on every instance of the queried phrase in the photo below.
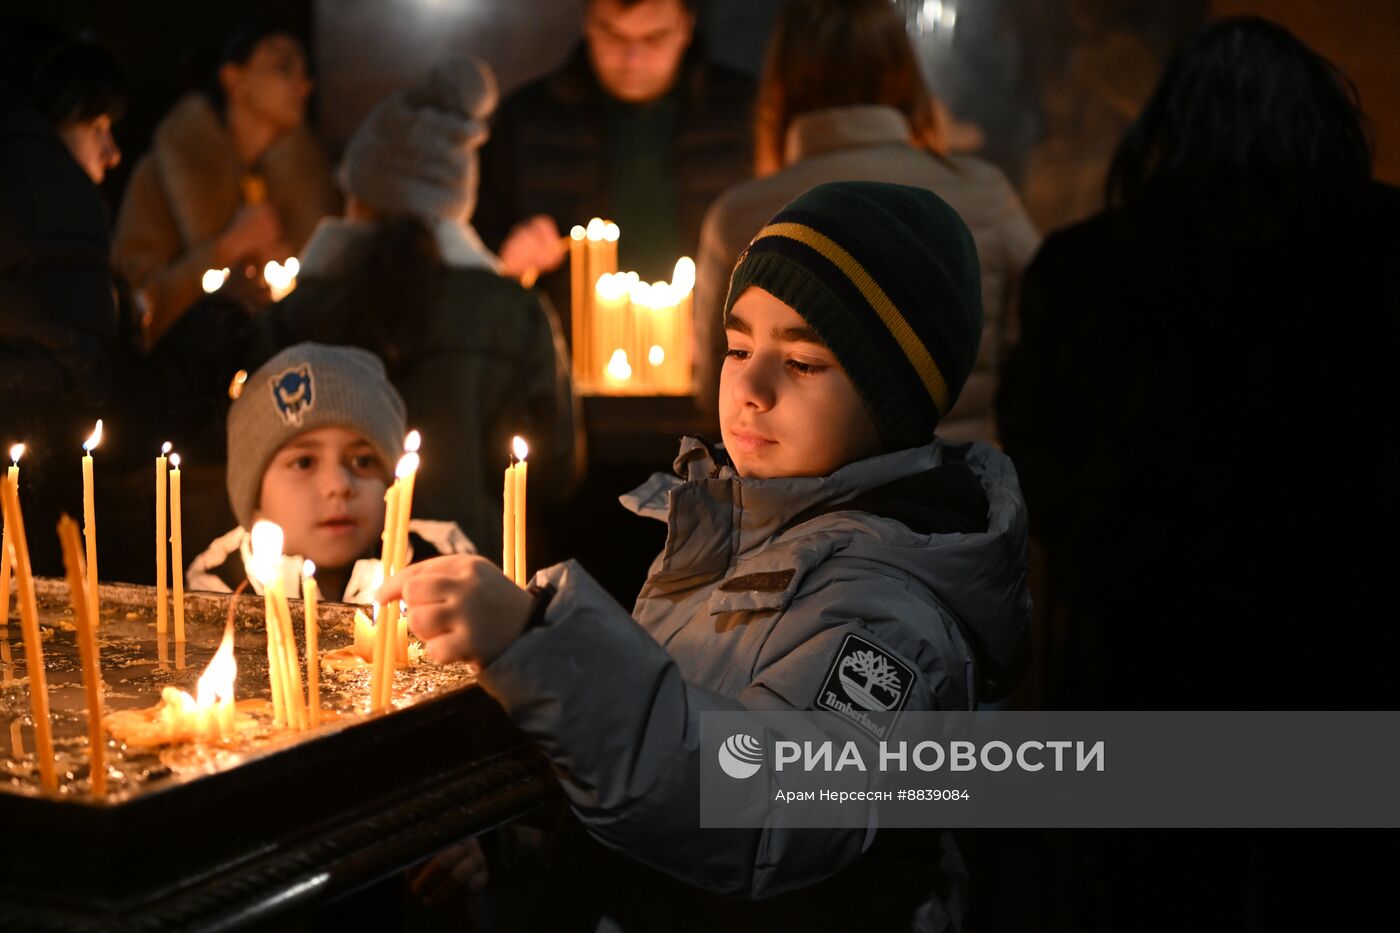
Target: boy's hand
(451, 874)
(462, 607)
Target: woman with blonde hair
(843, 98)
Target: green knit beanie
(887, 275)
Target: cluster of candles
(629, 337)
(279, 277)
(209, 714)
(16, 569)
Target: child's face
(326, 489)
(786, 407)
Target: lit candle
(407, 473)
(521, 451)
(508, 521)
(161, 553)
(611, 298)
(33, 643)
(6, 546)
(281, 277)
(283, 671)
(90, 522)
(177, 552)
(313, 663)
(213, 280)
(87, 649)
(680, 352)
(381, 672)
(580, 321)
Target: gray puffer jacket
(760, 588)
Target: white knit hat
(416, 152)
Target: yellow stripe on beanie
(909, 342)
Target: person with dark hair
(1178, 351)
(233, 178)
(476, 357)
(81, 91)
(636, 127)
(843, 98)
(1199, 410)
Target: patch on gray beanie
(305, 387)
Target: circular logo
(741, 756)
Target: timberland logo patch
(292, 393)
(863, 679)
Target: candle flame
(308, 569)
(412, 442)
(267, 539)
(175, 461)
(611, 232)
(656, 355)
(213, 280)
(596, 228)
(235, 386)
(292, 265)
(683, 276)
(618, 367)
(215, 685)
(408, 465)
(165, 448)
(578, 233)
(16, 452)
(521, 449)
(95, 438)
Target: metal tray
(220, 842)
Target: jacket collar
(718, 518)
(843, 128)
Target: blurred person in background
(233, 178)
(842, 98)
(637, 127)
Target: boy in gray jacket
(830, 524)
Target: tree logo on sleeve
(741, 756)
(863, 679)
(291, 392)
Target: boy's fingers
(430, 621)
(425, 589)
(392, 588)
(454, 646)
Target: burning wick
(94, 438)
(16, 452)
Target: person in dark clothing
(636, 127)
(80, 89)
(1181, 406)
(58, 321)
(67, 355)
(1198, 410)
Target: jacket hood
(913, 509)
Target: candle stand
(209, 838)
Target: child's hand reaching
(462, 607)
(453, 874)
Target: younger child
(831, 527)
(312, 444)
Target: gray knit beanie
(308, 386)
(416, 152)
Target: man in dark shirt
(636, 127)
